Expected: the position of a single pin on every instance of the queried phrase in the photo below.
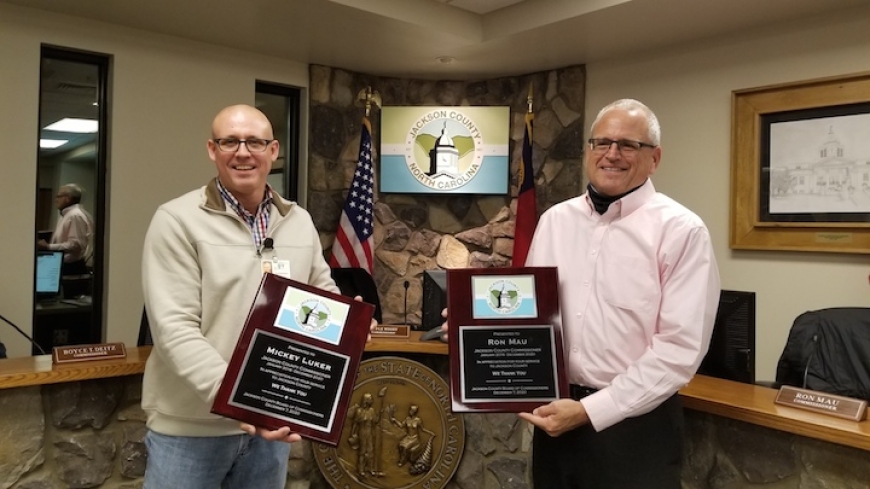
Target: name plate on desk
(85, 353)
(296, 360)
(505, 347)
(822, 402)
(391, 331)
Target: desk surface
(744, 402)
(755, 404)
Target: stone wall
(90, 434)
(413, 233)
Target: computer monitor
(732, 348)
(48, 274)
(434, 298)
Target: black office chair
(144, 331)
(358, 282)
(828, 351)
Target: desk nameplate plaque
(822, 402)
(85, 353)
(505, 343)
(296, 360)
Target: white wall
(689, 88)
(165, 92)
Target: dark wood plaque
(505, 342)
(296, 360)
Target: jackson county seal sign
(399, 433)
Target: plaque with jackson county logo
(296, 360)
(505, 339)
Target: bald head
(231, 117)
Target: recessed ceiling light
(445, 60)
(68, 124)
(52, 143)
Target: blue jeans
(226, 462)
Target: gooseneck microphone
(407, 284)
(813, 352)
(24, 335)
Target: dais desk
(744, 402)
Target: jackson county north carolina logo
(504, 297)
(443, 149)
(312, 316)
(399, 431)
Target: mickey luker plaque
(296, 360)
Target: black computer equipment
(434, 298)
(48, 275)
(732, 348)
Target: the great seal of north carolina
(399, 433)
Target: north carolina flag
(527, 209)
(352, 247)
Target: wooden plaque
(296, 360)
(505, 343)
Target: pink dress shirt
(639, 290)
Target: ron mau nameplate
(505, 342)
(296, 360)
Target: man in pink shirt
(639, 289)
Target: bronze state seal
(399, 433)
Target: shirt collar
(628, 203)
(237, 206)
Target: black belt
(580, 391)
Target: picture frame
(792, 188)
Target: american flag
(353, 239)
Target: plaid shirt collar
(258, 223)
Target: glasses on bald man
(232, 144)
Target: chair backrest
(354, 282)
(828, 350)
(144, 330)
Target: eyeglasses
(626, 147)
(232, 144)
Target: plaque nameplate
(505, 344)
(822, 402)
(86, 353)
(391, 331)
(296, 360)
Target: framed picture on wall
(800, 169)
(445, 150)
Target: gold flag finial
(531, 96)
(368, 97)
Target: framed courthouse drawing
(800, 169)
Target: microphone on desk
(407, 284)
(815, 347)
(25, 335)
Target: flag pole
(526, 217)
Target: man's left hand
(372, 326)
(281, 434)
(558, 417)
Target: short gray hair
(73, 191)
(654, 130)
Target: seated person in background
(73, 230)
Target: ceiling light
(67, 124)
(445, 60)
(52, 143)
